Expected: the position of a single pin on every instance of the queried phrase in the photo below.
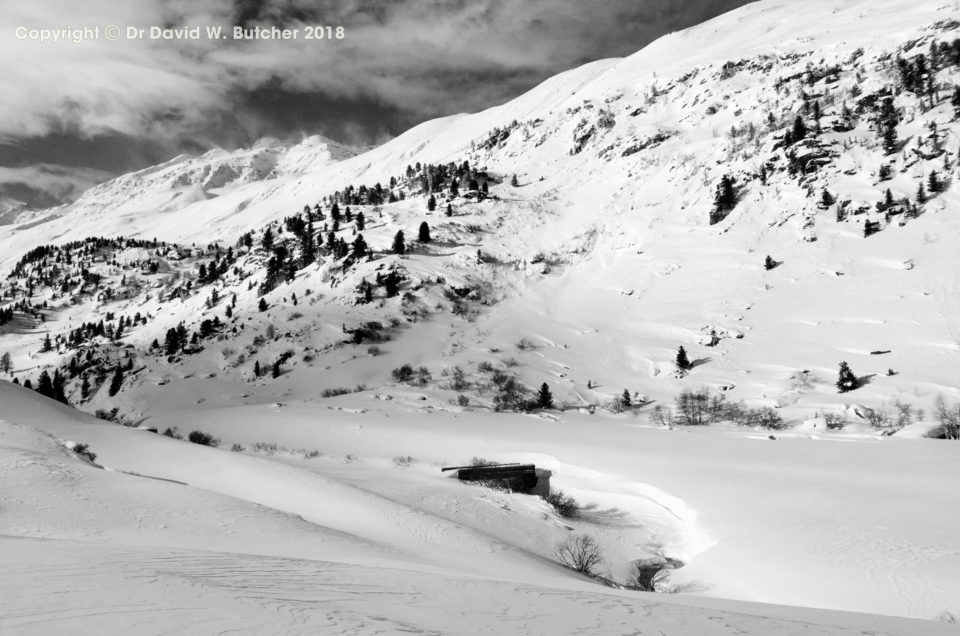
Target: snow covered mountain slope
(724, 190)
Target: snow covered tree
(683, 362)
(399, 245)
(846, 381)
(116, 381)
(724, 200)
(544, 397)
(423, 235)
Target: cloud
(400, 62)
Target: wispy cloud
(400, 62)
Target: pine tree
(359, 247)
(47, 345)
(625, 400)
(888, 198)
(683, 363)
(256, 369)
(262, 305)
(826, 199)
(921, 194)
(884, 172)
(933, 182)
(399, 246)
(85, 387)
(267, 241)
(955, 102)
(431, 203)
(116, 382)
(449, 211)
(799, 129)
(423, 235)
(769, 263)
(58, 387)
(846, 381)
(171, 342)
(514, 182)
(45, 385)
(544, 397)
(360, 222)
(275, 372)
(6, 362)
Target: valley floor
(172, 537)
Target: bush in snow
(579, 552)
(403, 461)
(204, 439)
(949, 417)
(84, 451)
(565, 505)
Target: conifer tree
(449, 211)
(544, 397)
(275, 372)
(47, 345)
(514, 182)
(360, 222)
(846, 380)
(625, 399)
(955, 102)
(826, 199)
(921, 194)
(933, 182)
(683, 362)
(799, 129)
(431, 203)
(423, 235)
(171, 342)
(256, 369)
(262, 305)
(45, 384)
(58, 387)
(85, 387)
(359, 247)
(399, 246)
(6, 362)
(116, 382)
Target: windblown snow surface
(332, 515)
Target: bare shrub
(834, 421)
(403, 461)
(458, 380)
(662, 416)
(204, 439)
(763, 417)
(334, 392)
(84, 451)
(949, 417)
(172, 432)
(374, 351)
(565, 505)
(525, 344)
(311, 454)
(579, 552)
(463, 400)
(485, 367)
(951, 618)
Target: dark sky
(106, 107)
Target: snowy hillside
(706, 232)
